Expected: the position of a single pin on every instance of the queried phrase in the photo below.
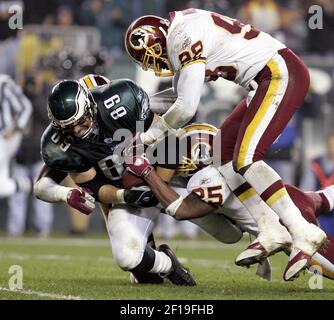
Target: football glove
(81, 200)
(139, 166)
(140, 196)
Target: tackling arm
(189, 89)
(181, 209)
(161, 101)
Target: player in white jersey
(197, 46)
(209, 195)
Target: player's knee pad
(128, 255)
(126, 241)
(128, 231)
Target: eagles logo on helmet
(69, 104)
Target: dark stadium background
(67, 39)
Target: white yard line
(217, 263)
(42, 294)
(188, 244)
(50, 257)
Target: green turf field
(65, 268)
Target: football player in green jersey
(86, 127)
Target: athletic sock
(162, 263)
(270, 187)
(259, 210)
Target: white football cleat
(305, 245)
(309, 239)
(256, 252)
(265, 245)
(133, 279)
(298, 261)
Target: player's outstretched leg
(313, 204)
(272, 237)
(282, 86)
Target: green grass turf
(84, 268)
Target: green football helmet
(70, 103)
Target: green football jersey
(122, 109)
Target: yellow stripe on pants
(265, 104)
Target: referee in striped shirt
(15, 113)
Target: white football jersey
(230, 49)
(211, 187)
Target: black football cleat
(179, 275)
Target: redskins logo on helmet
(139, 37)
(197, 139)
(145, 43)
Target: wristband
(120, 196)
(172, 208)
(61, 193)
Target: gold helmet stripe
(197, 126)
(88, 82)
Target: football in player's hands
(130, 180)
(81, 200)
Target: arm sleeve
(19, 103)
(48, 190)
(189, 87)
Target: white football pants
(8, 149)
(18, 205)
(129, 229)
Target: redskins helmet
(145, 43)
(197, 140)
(91, 81)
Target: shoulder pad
(122, 103)
(185, 43)
(209, 185)
(58, 154)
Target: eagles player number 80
(118, 112)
